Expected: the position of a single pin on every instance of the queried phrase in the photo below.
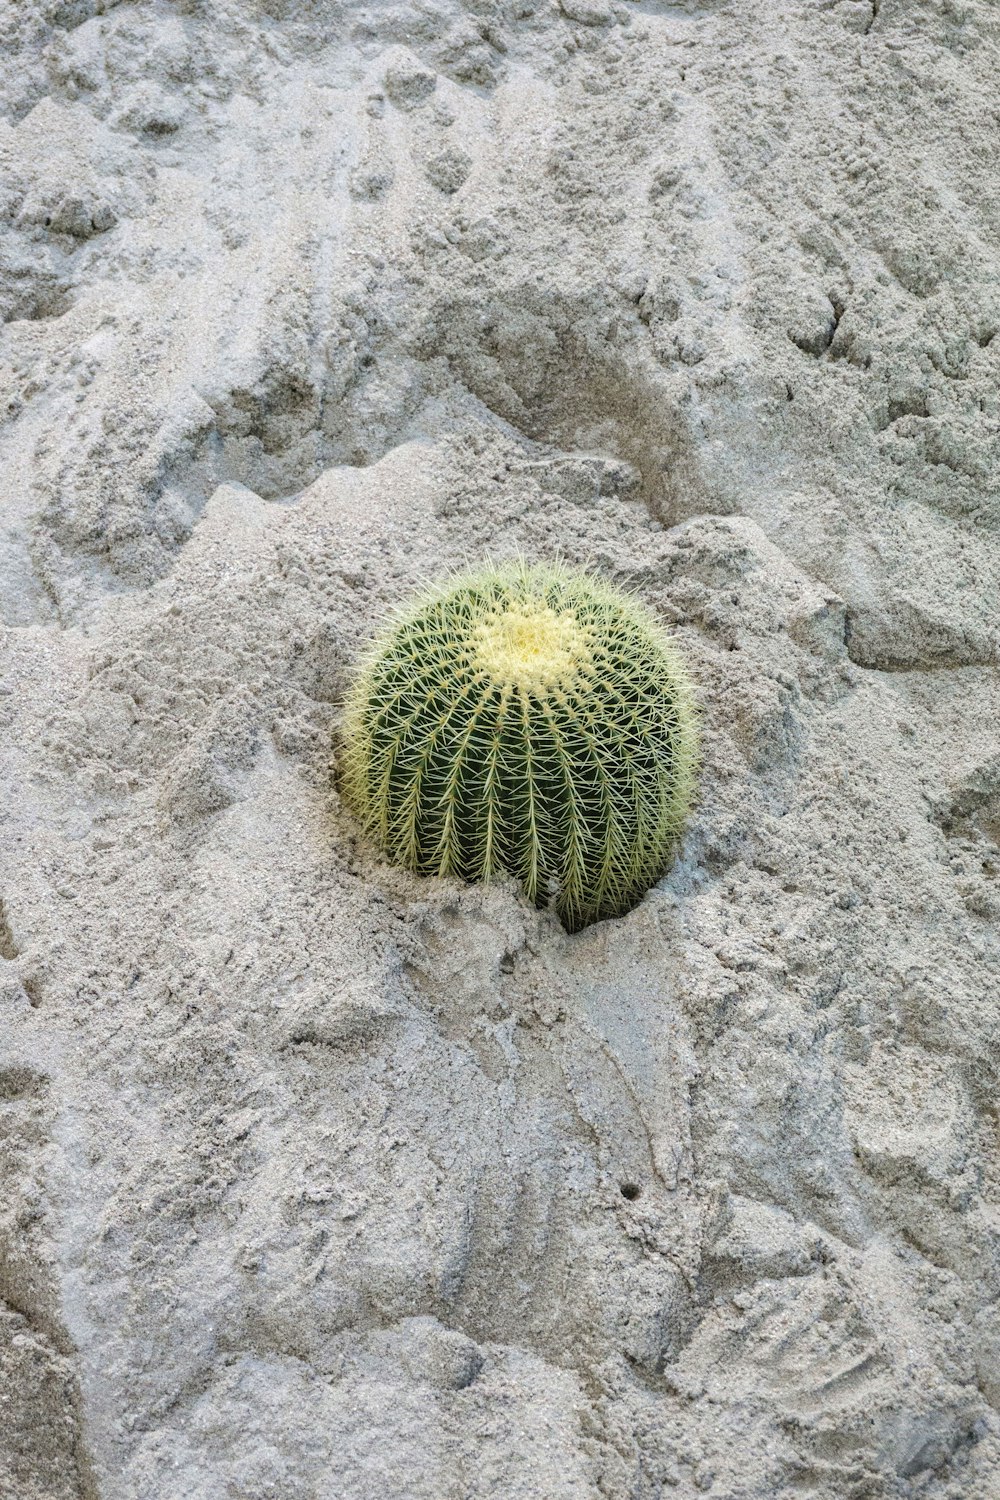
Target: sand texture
(322, 1182)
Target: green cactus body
(527, 720)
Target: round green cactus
(530, 721)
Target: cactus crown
(528, 720)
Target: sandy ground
(322, 1182)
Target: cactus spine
(528, 720)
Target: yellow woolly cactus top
(533, 648)
(525, 720)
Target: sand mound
(320, 1182)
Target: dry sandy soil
(322, 1182)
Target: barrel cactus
(525, 720)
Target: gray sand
(322, 1182)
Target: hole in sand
(570, 372)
